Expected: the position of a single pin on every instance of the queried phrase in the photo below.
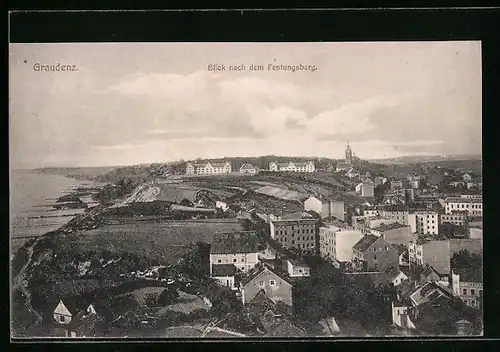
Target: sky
(134, 103)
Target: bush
(168, 296)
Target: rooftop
(365, 243)
(388, 227)
(238, 242)
(293, 221)
(257, 271)
(223, 270)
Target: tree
(225, 302)
(168, 296)
(466, 260)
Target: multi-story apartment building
(209, 168)
(394, 233)
(239, 249)
(472, 204)
(374, 253)
(290, 166)
(424, 222)
(296, 233)
(438, 253)
(458, 218)
(469, 287)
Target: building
(379, 180)
(248, 169)
(347, 163)
(458, 218)
(401, 314)
(424, 222)
(208, 168)
(62, 314)
(428, 292)
(325, 208)
(296, 268)
(225, 275)
(366, 188)
(336, 243)
(468, 286)
(373, 253)
(466, 177)
(473, 206)
(395, 197)
(292, 166)
(400, 215)
(433, 253)
(415, 182)
(394, 233)
(438, 253)
(298, 233)
(239, 249)
(274, 286)
(396, 184)
(391, 276)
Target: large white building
(209, 168)
(473, 204)
(424, 222)
(325, 208)
(291, 166)
(336, 243)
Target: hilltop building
(291, 166)
(208, 168)
(349, 157)
(248, 169)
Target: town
(263, 247)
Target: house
(374, 253)
(298, 233)
(391, 276)
(394, 198)
(208, 168)
(62, 314)
(221, 205)
(292, 166)
(429, 274)
(225, 275)
(473, 206)
(428, 292)
(330, 168)
(433, 253)
(466, 177)
(398, 213)
(468, 285)
(458, 218)
(415, 182)
(248, 169)
(403, 254)
(379, 180)
(443, 316)
(237, 248)
(401, 314)
(263, 278)
(341, 166)
(296, 268)
(76, 323)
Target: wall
(475, 233)
(344, 240)
(373, 224)
(227, 281)
(313, 204)
(297, 270)
(437, 255)
(282, 291)
(337, 210)
(401, 235)
(472, 245)
(244, 261)
(327, 241)
(381, 259)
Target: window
(464, 291)
(261, 283)
(472, 291)
(61, 319)
(374, 257)
(242, 260)
(219, 260)
(300, 271)
(234, 260)
(293, 242)
(272, 283)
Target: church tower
(348, 154)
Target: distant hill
(425, 159)
(85, 173)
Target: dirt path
(21, 283)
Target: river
(32, 196)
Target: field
(163, 241)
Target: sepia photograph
(246, 190)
